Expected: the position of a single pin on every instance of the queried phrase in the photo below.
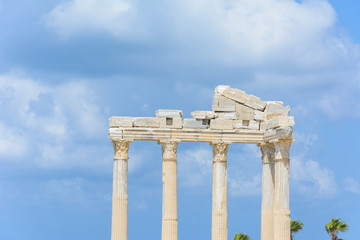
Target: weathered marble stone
(169, 113)
(193, 123)
(203, 114)
(255, 103)
(281, 121)
(259, 115)
(274, 109)
(220, 89)
(147, 122)
(235, 94)
(245, 113)
(222, 104)
(246, 124)
(121, 122)
(221, 124)
(227, 115)
(171, 123)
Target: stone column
(282, 204)
(219, 225)
(119, 220)
(268, 188)
(169, 227)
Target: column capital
(268, 152)
(220, 151)
(121, 148)
(169, 150)
(282, 149)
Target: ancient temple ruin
(236, 117)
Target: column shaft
(282, 204)
(169, 228)
(268, 186)
(219, 226)
(119, 220)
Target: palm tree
(295, 226)
(334, 227)
(241, 236)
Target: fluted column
(282, 204)
(268, 188)
(169, 227)
(119, 220)
(219, 225)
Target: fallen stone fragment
(255, 103)
(235, 94)
(222, 104)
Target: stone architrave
(236, 117)
(281, 201)
(169, 228)
(119, 221)
(268, 188)
(219, 226)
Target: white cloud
(48, 120)
(311, 178)
(239, 186)
(77, 16)
(351, 185)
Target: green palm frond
(335, 226)
(295, 226)
(241, 236)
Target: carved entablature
(236, 117)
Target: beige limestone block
(171, 123)
(121, 122)
(221, 124)
(246, 124)
(245, 113)
(220, 89)
(168, 113)
(259, 115)
(222, 104)
(274, 109)
(194, 123)
(281, 121)
(255, 103)
(203, 114)
(152, 122)
(235, 94)
(227, 115)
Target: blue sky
(67, 66)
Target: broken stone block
(227, 115)
(235, 94)
(247, 124)
(220, 124)
(167, 113)
(171, 123)
(245, 113)
(203, 114)
(121, 122)
(281, 121)
(220, 89)
(147, 122)
(255, 103)
(194, 123)
(222, 104)
(274, 109)
(263, 125)
(258, 115)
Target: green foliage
(334, 227)
(295, 226)
(241, 236)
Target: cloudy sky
(66, 66)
